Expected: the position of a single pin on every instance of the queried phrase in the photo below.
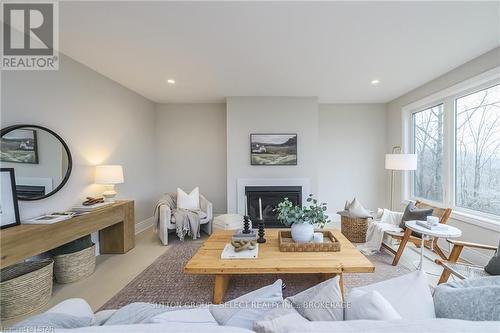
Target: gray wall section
(246, 115)
(191, 152)
(351, 158)
(101, 121)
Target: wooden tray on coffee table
(286, 244)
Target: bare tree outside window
(478, 151)
(428, 145)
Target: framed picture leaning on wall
(9, 210)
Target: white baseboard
(143, 225)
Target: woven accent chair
(461, 270)
(404, 237)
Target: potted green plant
(302, 219)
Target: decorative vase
(302, 232)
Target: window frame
(448, 98)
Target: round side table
(441, 231)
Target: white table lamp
(395, 162)
(109, 175)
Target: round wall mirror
(40, 158)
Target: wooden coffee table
(272, 261)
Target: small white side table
(443, 231)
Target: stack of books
(429, 226)
(240, 235)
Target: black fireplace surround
(271, 196)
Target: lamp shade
(108, 174)
(401, 161)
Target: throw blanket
(389, 221)
(187, 222)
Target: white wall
(191, 151)
(351, 158)
(101, 121)
(247, 115)
(470, 69)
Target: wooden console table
(115, 224)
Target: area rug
(164, 282)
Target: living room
(168, 130)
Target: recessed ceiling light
(375, 81)
(171, 81)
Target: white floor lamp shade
(403, 162)
(109, 175)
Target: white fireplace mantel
(305, 183)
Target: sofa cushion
(284, 308)
(245, 310)
(188, 201)
(199, 315)
(102, 316)
(369, 306)
(70, 313)
(413, 286)
(278, 324)
(51, 320)
(321, 302)
(470, 299)
(288, 325)
(135, 313)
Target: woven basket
(25, 288)
(354, 229)
(286, 243)
(74, 266)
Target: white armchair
(167, 223)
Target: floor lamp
(397, 161)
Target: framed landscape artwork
(19, 146)
(273, 149)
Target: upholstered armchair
(167, 221)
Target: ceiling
(332, 50)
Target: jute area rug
(164, 282)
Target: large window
(478, 151)
(456, 136)
(428, 145)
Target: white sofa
(414, 305)
(167, 224)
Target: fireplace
(271, 196)
(30, 191)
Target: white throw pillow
(369, 306)
(188, 201)
(323, 302)
(196, 315)
(409, 295)
(245, 310)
